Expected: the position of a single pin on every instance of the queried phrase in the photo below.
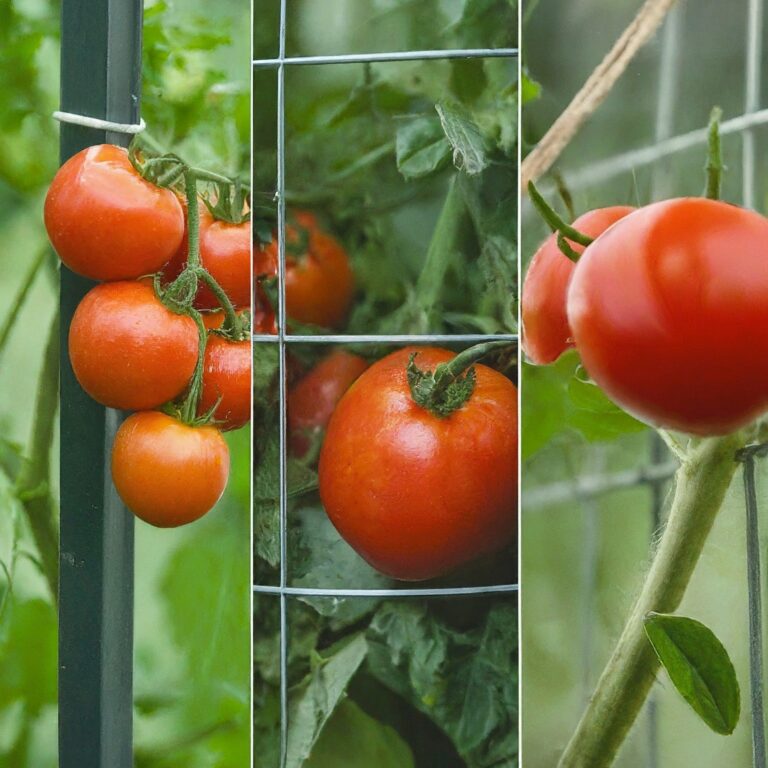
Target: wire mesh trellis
(283, 339)
(660, 469)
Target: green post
(100, 77)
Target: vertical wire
(664, 128)
(755, 614)
(282, 390)
(752, 104)
(751, 98)
(252, 596)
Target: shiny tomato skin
(225, 251)
(319, 283)
(107, 223)
(127, 350)
(313, 399)
(168, 473)
(414, 494)
(227, 375)
(546, 333)
(669, 309)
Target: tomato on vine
(108, 223)
(319, 283)
(546, 332)
(313, 399)
(669, 310)
(168, 473)
(128, 350)
(225, 252)
(227, 381)
(418, 469)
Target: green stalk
(20, 298)
(701, 484)
(192, 400)
(556, 223)
(443, 243)
(232, 322)
(34, 484)
(714, 167)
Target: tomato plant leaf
(470, 148)
(355, 740)
(317, 697)
(421, 147)
(699, 667)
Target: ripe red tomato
(167, 472)
(669, 309)
(127, 350)
(415, 494)
(546, 333)
(225, 251)
(319, 283)
(108, 223)
(227, 375)
(312, 401)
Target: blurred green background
(192, 647)
(583, 559)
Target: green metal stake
(100, 77)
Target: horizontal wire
(365, 58)
(597, 485)
(434, 338)
(606, 169)
(438, 592)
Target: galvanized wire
(283, 339)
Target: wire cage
(609, 498)
(284, 588)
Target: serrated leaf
(470, 148)
(421, 147)
(315, 700)
(699, 667)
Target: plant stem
(555, 222)
(232, 322)
(34, 486)
(192, 400)
(714, 166)
(442, 245)
(701, 485)
(193, 220)
(20, 298)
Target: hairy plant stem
(701, 484)
(714, 167)
(34, 486)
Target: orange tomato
(168, 473)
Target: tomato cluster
(138, 341)
(668, 308)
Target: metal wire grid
(660, 470)
(283, 339)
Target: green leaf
(470, 149)
(318, 696)
(353, 739)
(421, 147)
(699, 667)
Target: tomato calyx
(229, 202)
(565, 231)
(450, 386)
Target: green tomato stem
(714, 166)
(193, 219)
(554, 221)
(446, 389)
(701, 484)
(191, 402)
(232, 322)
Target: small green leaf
(421, 147)
(699, 667)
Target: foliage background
(582, 561)
(192, 596)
